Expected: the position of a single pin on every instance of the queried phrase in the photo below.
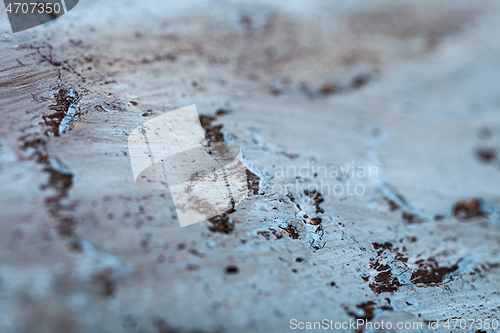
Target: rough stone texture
(408, 87)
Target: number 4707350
(33, 7)
(471, 323)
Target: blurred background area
(410, 88)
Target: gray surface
(412, 89)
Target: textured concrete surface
(406, 89)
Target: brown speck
(468, 209)
(290, 230)
(222, 223)
(439, 217)
(393, 206)
(431, 273)
(253, 182)
(316, 221)
(411, 218)
(317, 198)
(383, 246)
(329, 89)
(486, 155)
(360, 81)
(192, 267)
(232, 270)
(276, 234)
(221, 112)
(106, 282)
(290, 156)
(368, 313)
(264, 234)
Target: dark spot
(393, 206)
(290, 156)
(276, 234)
(212, 132)
(292, 199)
(192, 267)
(294, 270)
(468, 209)
(76, 246)
(290, 230)
(253, 182)
(360, 81)
(429, 272)
(221, 112)
(317, 198)
(162, 326)
(329, 89)
(222, 223)
(66, 226)
(332, 284)
(60, 180)
(246, 22)
(231, 270)
(145, 244)
(484, 269)
(368, 309)
(275, 91)
(106, 282)
(299, 259)
(64, 99)
(411, 218)
(134, 103)
(264, 234)
(195, 253)
(368, 313)
(377, 132)
(384, 281)
(316, 221)
(486, 155)
(383, 246)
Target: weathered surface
(411, 89)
